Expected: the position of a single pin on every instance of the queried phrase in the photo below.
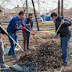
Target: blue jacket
(14, 25)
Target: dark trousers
(26, 36)
(1, 53)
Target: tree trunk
(26, 8)
(39, 7)
(35, 15)
(61, 7)
(58, 7)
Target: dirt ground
(34, 42)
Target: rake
(13, 40)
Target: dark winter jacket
(64, 30)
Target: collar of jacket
(59, 18)
(29, 19)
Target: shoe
(64, 64)
(28, 48)
(15, 57)
(4, 67)
(25, 50)
(9, 54)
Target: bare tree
(26, 7)
(61, 7)
(35, 14)
(38, 6)
(58, 7)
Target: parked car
(5, 21)
(39, 19)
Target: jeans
(64, 46)
(1, 53)
(26, 36)
(13, 45)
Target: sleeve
(26, 25)
(14, 25)
(56, 27)
(32, 25)
(23, 23)
(66, 23)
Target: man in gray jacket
(26, 35)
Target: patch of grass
(5, 25)
(45, 24)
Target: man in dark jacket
(65, 34)
(26, 34)
(2, 62)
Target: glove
(23, 28)
(55, 34)
(32, 33)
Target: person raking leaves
(26, 34)
(65, 34)
(12, 29)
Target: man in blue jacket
(28, 22)
(65, 34)
(12, 28)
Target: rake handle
(37, 36)
(13, 40)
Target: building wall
(2, 13)
(11, 15)
(66, 13)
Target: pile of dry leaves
(45, 57)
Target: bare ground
(34, 42)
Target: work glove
(32, 33)
(55, 34)
(23, 28)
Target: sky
(44, 5)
